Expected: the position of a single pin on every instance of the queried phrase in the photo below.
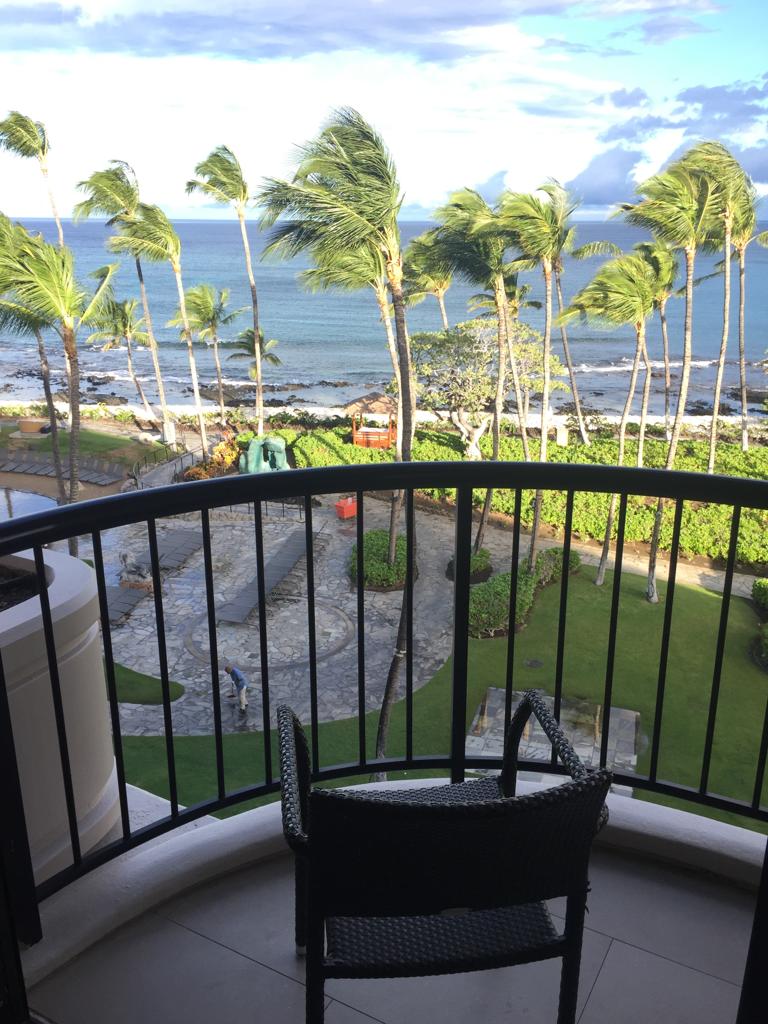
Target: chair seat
(459, 793)
(383, 947)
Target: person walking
(239, 685)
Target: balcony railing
(92, 521)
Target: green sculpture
(264, 454)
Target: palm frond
(111, 192)
(220, 177)
(21, 135)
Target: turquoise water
(331, 337)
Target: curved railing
(94, 518)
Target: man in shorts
(239, 685)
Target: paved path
(91, 471)
(246, 601)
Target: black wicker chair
(441, 880)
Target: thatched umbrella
(375, 402)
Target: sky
(488, 94)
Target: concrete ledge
(134, 883)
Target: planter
(479, 576)
(31, 424)
(75, 614)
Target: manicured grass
(692, 647)
(137, 688)
(93, 443)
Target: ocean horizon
(332, 344)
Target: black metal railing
(152, 507)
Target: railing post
(461, 562)
(752, 1006)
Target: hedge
(489, 601)
(760, 595)
(705, 529)
(376, 570)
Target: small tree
(455, 377)
(117, 323)
(528, 348)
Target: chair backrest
(295, 774)
(373, 857)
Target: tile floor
(662, 945)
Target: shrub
(199, 472)
(376, 570)
(479, 561)
(760, 595)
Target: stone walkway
(234, 568)
(91, 471)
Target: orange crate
(346, 508)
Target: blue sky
(493, 93)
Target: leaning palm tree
(427, 272)
(663, 261)
(621, 292)
(208, 314)
(114, 193)
(345, 195)
(148, 234)
(256, 355)
(221, 179)
(21, 135)
(117, 325)
(679, 206)
(17, 318)
(517, 298)
(41, 278)
(714, 160)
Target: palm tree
(517, 298)
(714, 160)
(21, 135)
(256, 356)
(18, 318)
(148, 234)
(474, 241)
(221, 179)
(427, 272)
(661, 257)
(207, 312)
(621, 292)
(114, 193)
(345, 195)
(117, 323)
(41, 278)
(679, 206)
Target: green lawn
(93, 443)
(694, 632)
(137, 688)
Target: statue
(264, 455)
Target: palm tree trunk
(381, 299)
(52, 201)
(395, 280)
(520, 400)
(644, 402)
(152, 345)
(136, 381)
(640, 344)
(219, 381)
(192, 362)
(45, 372)
(390, 688)
(256, 334)
(547, 267)
(723, 342)
(667, 374)
(498, 401)
(690, 258)
(742, 251)
(569, 363)
(70, 347)
(441, 302)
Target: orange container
(346, 508)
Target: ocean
(332, 344)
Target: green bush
(376, 570)
(760, 594)
(479, 561)
(489, 601)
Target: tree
(713, 159)
(117, 323)
(114, 193)
(526, 344)
(21, 135)
(662, 259)
(256, 357)
(148, 234)
(621, 292)
(455, 371)
(516, 294)
(20, 319)
(207, 312)
(427, 272)
(221, 179)
(345, 195)
(41, 278)
(678, 206)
